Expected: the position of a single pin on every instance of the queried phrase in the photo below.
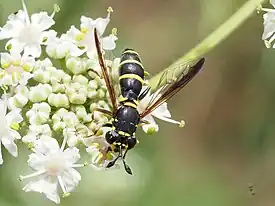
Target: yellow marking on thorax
(124, 133)
(132, 76)
(131, 61)
(130, 52)
(130, 104)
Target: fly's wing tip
(200, 63)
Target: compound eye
(131, 141)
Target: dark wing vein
(174, 87)
(105, 74)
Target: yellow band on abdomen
(130, 52)
(132, 76)
(131, 61)
(130, 104)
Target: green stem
(175, 69)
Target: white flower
(64, 119)
(73, 136)
(53, 166)
(59, 48)
(36, 132)
(77, 93)
(58, 100)
(40, 71)
(16, 69)
(85, 36)
(7, 134)
(39, 113)
(161, 112)
(20, 97)
(40, 92)
(269, 25)
(26, 33)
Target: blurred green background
(229, 139)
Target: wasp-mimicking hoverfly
(125, 116)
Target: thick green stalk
(176, 69)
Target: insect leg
(144, 93)
(143, 122)
(103, 111)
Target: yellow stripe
(130, 61)
(131, 76)
(130, 104)
(124, 133)
(130, 52)
(123, 99)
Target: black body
(127, 117)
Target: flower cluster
(269, 25)
(49, 103)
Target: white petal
(71, 178)
(74, 50)
(25, 76)
(42, 21)
(17, 46)
(10, 145)
(19, 16)
(87, 22)
(30, 138)
(162, 110)
(49, 188)
(1, 158)
(14, 116)
(152, 124)
(6, 58)
(72, 32)
(101, 24)
(91, 53)
(108, 43)
(72, 140)
(11, 29)
(47, 145)
(3, 109)
(72, 155)
(36, 161)
(32, 50)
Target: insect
(251, 188)
(125, 116)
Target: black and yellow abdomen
(131, 75)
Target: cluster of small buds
(269, 25)
(43, 104)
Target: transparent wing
(173, 86)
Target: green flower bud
(92, 93)
(77, 93)
(81, 113)
(80, 79)
(101, 93)
(76, 65)
(93, 106)
(151, 130)
(58, 100)
(40, 92)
